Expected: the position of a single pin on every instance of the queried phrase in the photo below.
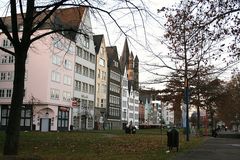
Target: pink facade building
(50, 76)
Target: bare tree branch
(55, 31)
(14, 22)
(7, 51)
(219, 17)
(21, 9)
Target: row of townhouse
(117, 95)
(72, 80)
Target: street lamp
(186, 99)
(79, 112)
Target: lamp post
(186, 99)
(161, 123)
(79, 113)
(86, 114)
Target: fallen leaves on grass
(128, 144)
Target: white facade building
(168, 114)
(130, 93)
(125, 99)
(134, 108)
(84, 77)
(164, 112)
(130, 103)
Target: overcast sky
(140, 41)
(153, 31)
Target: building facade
(167, 114)
(50, 75)
(84, 77)
(141, 113)
(155, 111)
(113, 115)
(101, 82)
(146, 98)
(130, 87)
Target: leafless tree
(196, 33)
(34, 15)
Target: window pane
(22, 113)
(66, 114)
(59, 114)
(66, 123)
(59, 123)
(4, 112)
(27, 122)
(2, 93)
(28, 113)
(4, 121)
(22, 122)
(63, 115)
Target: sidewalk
(214, 149)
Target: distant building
(167, 114)
(156, 112)
(141, 113)
(146, 97)
(130, 87)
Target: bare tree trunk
(186, 80)
(198, 106)
(198, 118)
(13, 128)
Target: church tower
(130, 68)
(136, 74)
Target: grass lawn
(148, 144)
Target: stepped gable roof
(124, 57)
(62, 18)
(97, 42)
